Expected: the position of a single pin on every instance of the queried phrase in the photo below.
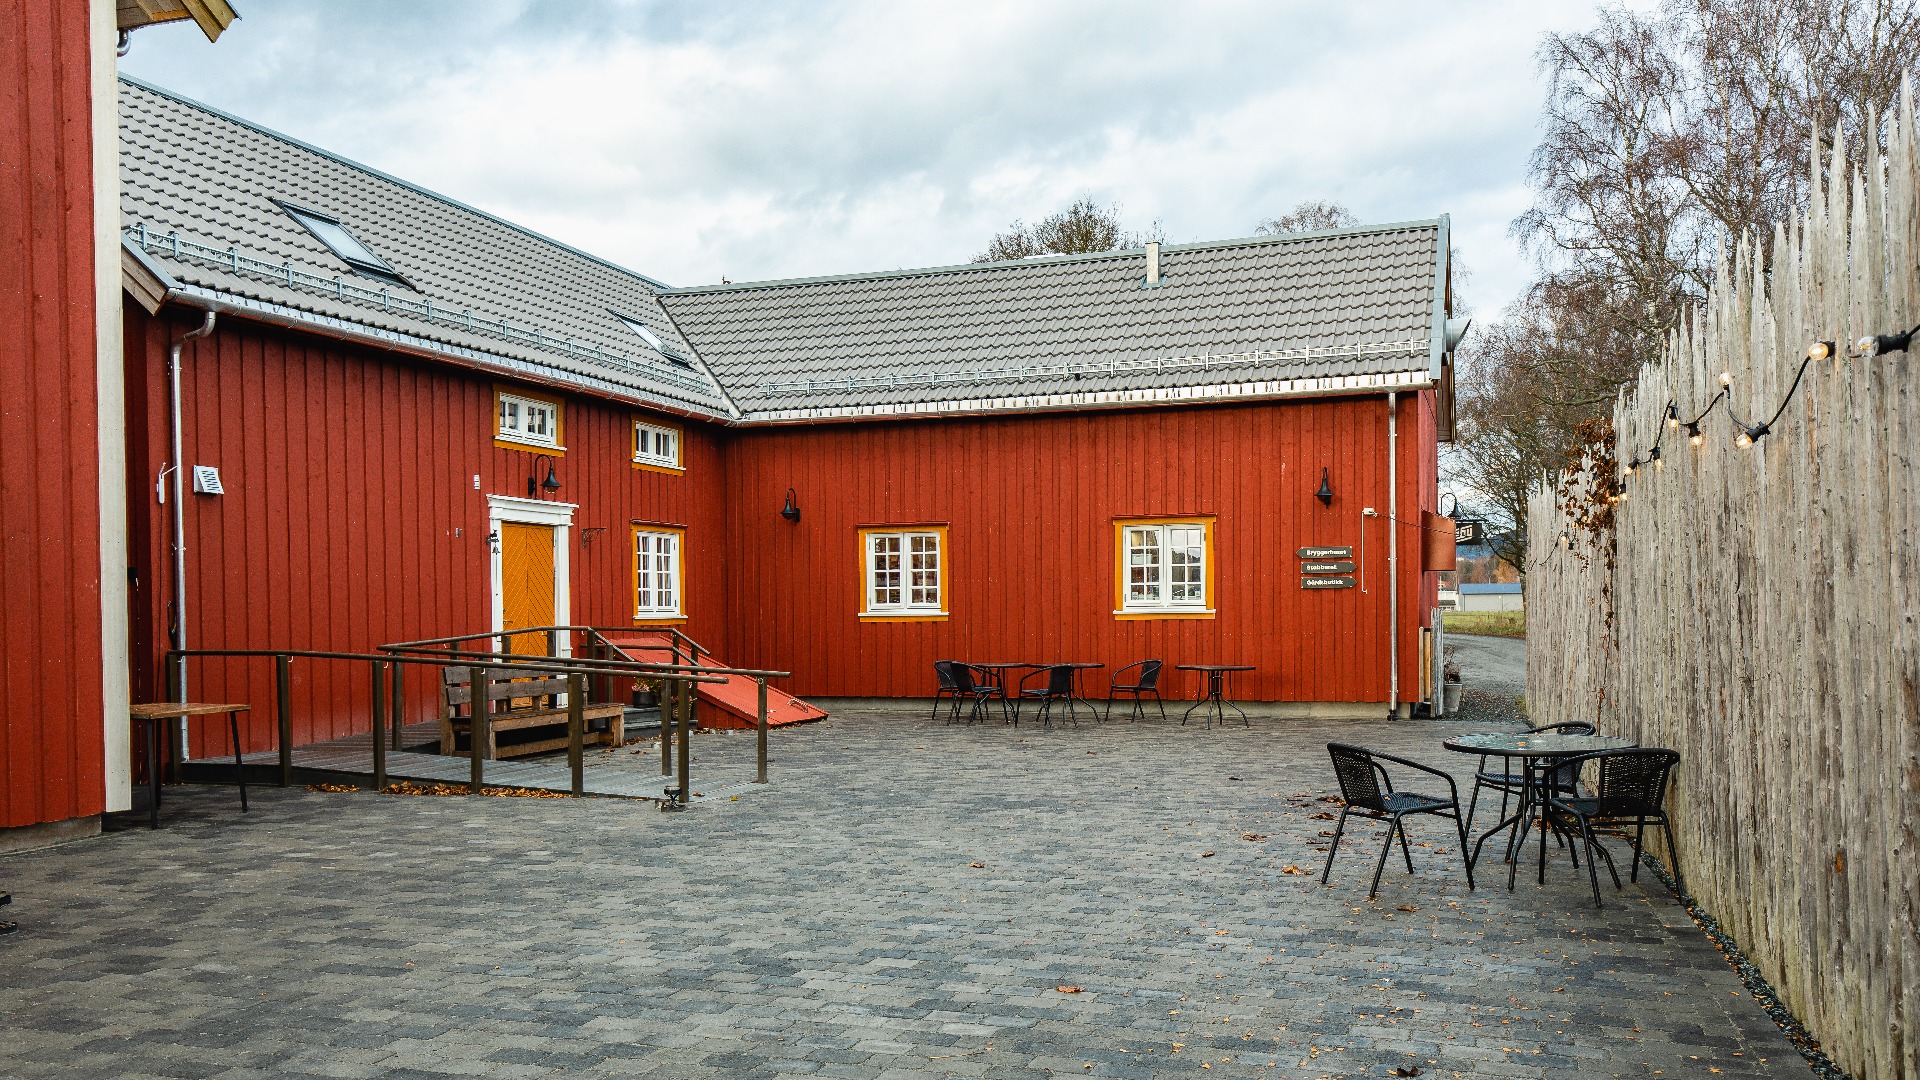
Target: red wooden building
(1099, 458)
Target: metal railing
(390, 693)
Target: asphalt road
(1497, 665)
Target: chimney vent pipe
(1153, 262)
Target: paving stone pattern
(834, 924)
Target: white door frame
(506, 508)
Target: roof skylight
(343, 243)
(653, 340)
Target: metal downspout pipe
(180, 516)
(1393, 555)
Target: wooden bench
(524, 712)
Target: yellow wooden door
(526, 583)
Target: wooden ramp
(736, 701)
(353, 757)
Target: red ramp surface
(735, 703)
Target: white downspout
(180, 513)
(1393, 556)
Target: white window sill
(519, 441)
(1165, 613)
(655, 463)
(905, 614)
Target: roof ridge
(1052, 259)
(652, 284)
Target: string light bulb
(1882, 344)
(1673, 415)
(1653, 455)
(1693, 433)
(1632, 465)
(1726, 378)
(1566, 539)
(1822, 350)
(1749, 436)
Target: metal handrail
(577, 669)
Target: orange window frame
(866, 614)
(679, 573)
(1121, 612)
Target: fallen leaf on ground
(1291, 869)
(1322, 816)
(1253, 836)
(978, 865)
(1206, 854)
(1067, 989)
(1408, 907)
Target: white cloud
(689, 142)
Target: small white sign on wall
(206, 480)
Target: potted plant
(1450, 687)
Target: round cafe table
(1215, 701)
(997, 672)
(1537, 753)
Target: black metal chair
(1510, 784)
(943, 671)
(1147, 681)
(968, 684)
(1059, 688)
(1368, 791)
(1631, 789)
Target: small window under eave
(341, 241)
(653, 340)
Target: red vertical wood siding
(51, 740)
(1030, 503)
(347, 472)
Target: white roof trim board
(1338, 312)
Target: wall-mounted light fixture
(535, 485)
(1325, 494)
(791, 511)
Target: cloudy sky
(697, 140)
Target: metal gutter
(1441, 258)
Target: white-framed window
(906, 571)
(656, 445)
(1163, 566)
(529, 420)
(656, 573)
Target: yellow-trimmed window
(656, 446)
(658, 578)
(903, 572)
(1163, 568)
(525, 420)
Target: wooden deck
(353, 756)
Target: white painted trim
(110, 391)
(507, 508)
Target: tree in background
(1083, 227)
(1313, 215)
(1666, 132)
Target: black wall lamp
(1325, 494)
(536, 485)
(791, 511)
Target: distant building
(1449, 598)
(1497, 596)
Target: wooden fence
(1758, 610)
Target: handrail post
(379, 725)
(399, 711)
(477, 702)
(760, 685)
(283, 705)
(576, 731)
(686, 740)
(669, 712)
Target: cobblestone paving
(906, 900)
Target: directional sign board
(1343, 581)
(1326, 552)
(1326, 568)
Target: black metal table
(1537, 753)
(998, 673)
(1215, 701)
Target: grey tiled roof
(1349, 310)
(1248, 313)
(207, 179)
